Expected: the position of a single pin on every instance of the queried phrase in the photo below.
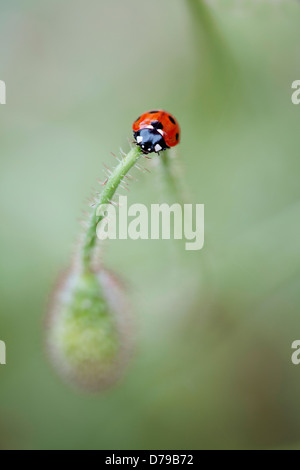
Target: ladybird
(156, 131)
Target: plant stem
(106, 196)
(211, 44)
(171, 178)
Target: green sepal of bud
(87, 330)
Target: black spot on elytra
(157, 125)
(172, 120)
(153, 112)
(177, 136)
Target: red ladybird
(155, 131)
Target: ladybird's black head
(150, 140)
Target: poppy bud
(88, 329)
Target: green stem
(212, 46)
(171, 178)
(106, 196)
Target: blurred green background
(214, 328)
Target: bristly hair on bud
(88, 329)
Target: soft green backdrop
(214, 329)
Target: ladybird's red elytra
(155, 131)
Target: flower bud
(88, 329)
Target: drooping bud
(88, 329)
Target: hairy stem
(106, 196)
(171, 177)
(211, 44)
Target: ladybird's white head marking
(139, 139)
(161, 132)
(157, 148)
